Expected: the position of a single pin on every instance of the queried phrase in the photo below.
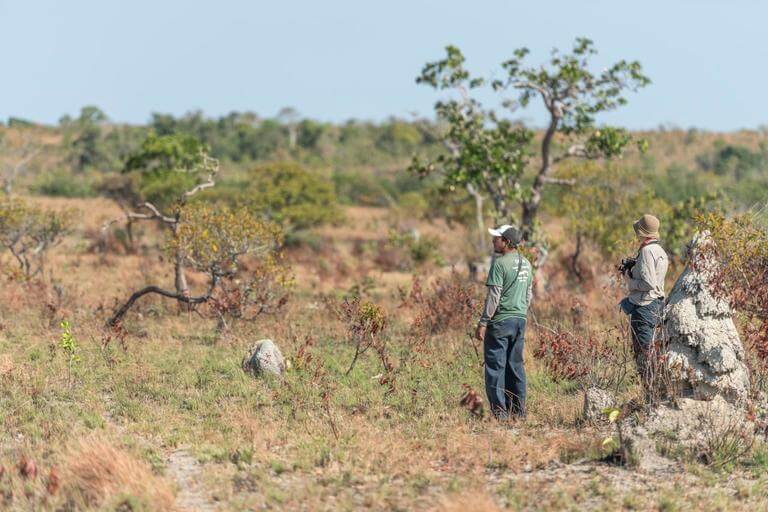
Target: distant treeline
(367, 162)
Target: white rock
(689, 424)
(596, 400)
(265, 358)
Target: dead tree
(16, 159)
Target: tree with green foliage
(83, 137)
(490, 155)
(167, 170)
(158, 180)
(600, 208)
(163, 177)
(605, 200)
(737, 161)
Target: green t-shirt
(515, 286)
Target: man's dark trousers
(504, 370)
(643, 321)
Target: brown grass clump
(477, 501)
(95, 474)
(7, 365)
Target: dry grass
(272, 444)
(96, 474)
(472, 501)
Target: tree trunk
(575, 259)
(180, 280)
(129, 235)
(531, 206)
(482, 245)
(530, 213)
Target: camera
(626, 265)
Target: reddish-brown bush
(569, 356)
(451, 303)
(471, 401)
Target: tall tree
(84, 138)
(492, 156)
(158, 180)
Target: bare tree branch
(120, 313)
(153, 215)
(213, 165)
(558, 181)
(545, 94)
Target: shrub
(64, 184)
(362, 188)
(283, 192)
(214, 241)
(28, 232)
(451, 303)
(587, 359)
(415, 249)
(365, 322)
(737, 161)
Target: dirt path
(182, 468)
(187, 472)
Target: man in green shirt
(502, 324)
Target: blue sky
(339, 59)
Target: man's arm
(489, 309)
(529, 293)
(491, 304)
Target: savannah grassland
(164, 418)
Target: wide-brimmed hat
(647, 226)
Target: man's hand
(480, 332)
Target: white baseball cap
(499, 230)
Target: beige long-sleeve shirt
(646, 280)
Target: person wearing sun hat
(502, 324)
(645, 284)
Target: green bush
(361, 188)
(284, 192)
(64, 184)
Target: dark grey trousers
(504, 367)
(643, 321)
